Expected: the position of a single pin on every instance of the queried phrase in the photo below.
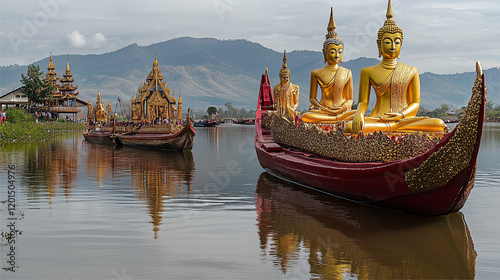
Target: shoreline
(20, 132)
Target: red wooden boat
(180, 141)
(436, 182)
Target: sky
(440, 36)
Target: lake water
(89, 211)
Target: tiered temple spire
(154, 101)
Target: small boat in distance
(245, 121)
(207, 123)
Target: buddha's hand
(358, 123)
(392, 117)
(333, 110)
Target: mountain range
(211, 72)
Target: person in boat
(397, 90)
(286, 94)
(335, 83)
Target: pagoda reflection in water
(309, 234)
(155, 175)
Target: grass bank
(22, 127)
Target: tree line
(230, 112)
(446, 112)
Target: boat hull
(181, 141)
(98, 137)
(380, 185)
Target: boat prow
(436, 182)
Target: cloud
(75, 39)
(98, 40)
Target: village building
(154, 100)
(16, 98)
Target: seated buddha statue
(397, 90)
(335, 83)
(286, 94)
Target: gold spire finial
(67, 66)
(284, 60)
(51, 66)
(331, 34)
(331, 24)
(155, 63)
(284, 69)
(389, 14)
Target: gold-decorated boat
(390, 158)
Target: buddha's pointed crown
(284, 69)
(331, 36)
(390, 25)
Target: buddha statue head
(389, 34)
(284, 72)
(331, 38)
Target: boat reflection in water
(307, 234)
(155, 175)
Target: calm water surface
(94, 212)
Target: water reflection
(155, 175)
(47, 170)
(45, 167)
(308, 234)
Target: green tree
(211, 110)
(221, 112)
(231, 111)
(37, 89)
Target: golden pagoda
(64, 99)
(99, 113)
(153, 100)
(52, 74)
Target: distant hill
(213, 72)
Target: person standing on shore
(3, 117)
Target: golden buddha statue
(335, 83)
(286, 94)
(397, 90)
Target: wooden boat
(436, 182)
(98, 137)
(206, 123)
(244, 122)
(180, 141)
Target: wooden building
(15, 98)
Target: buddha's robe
(397, 81)
(286, 98)
(333, 95)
